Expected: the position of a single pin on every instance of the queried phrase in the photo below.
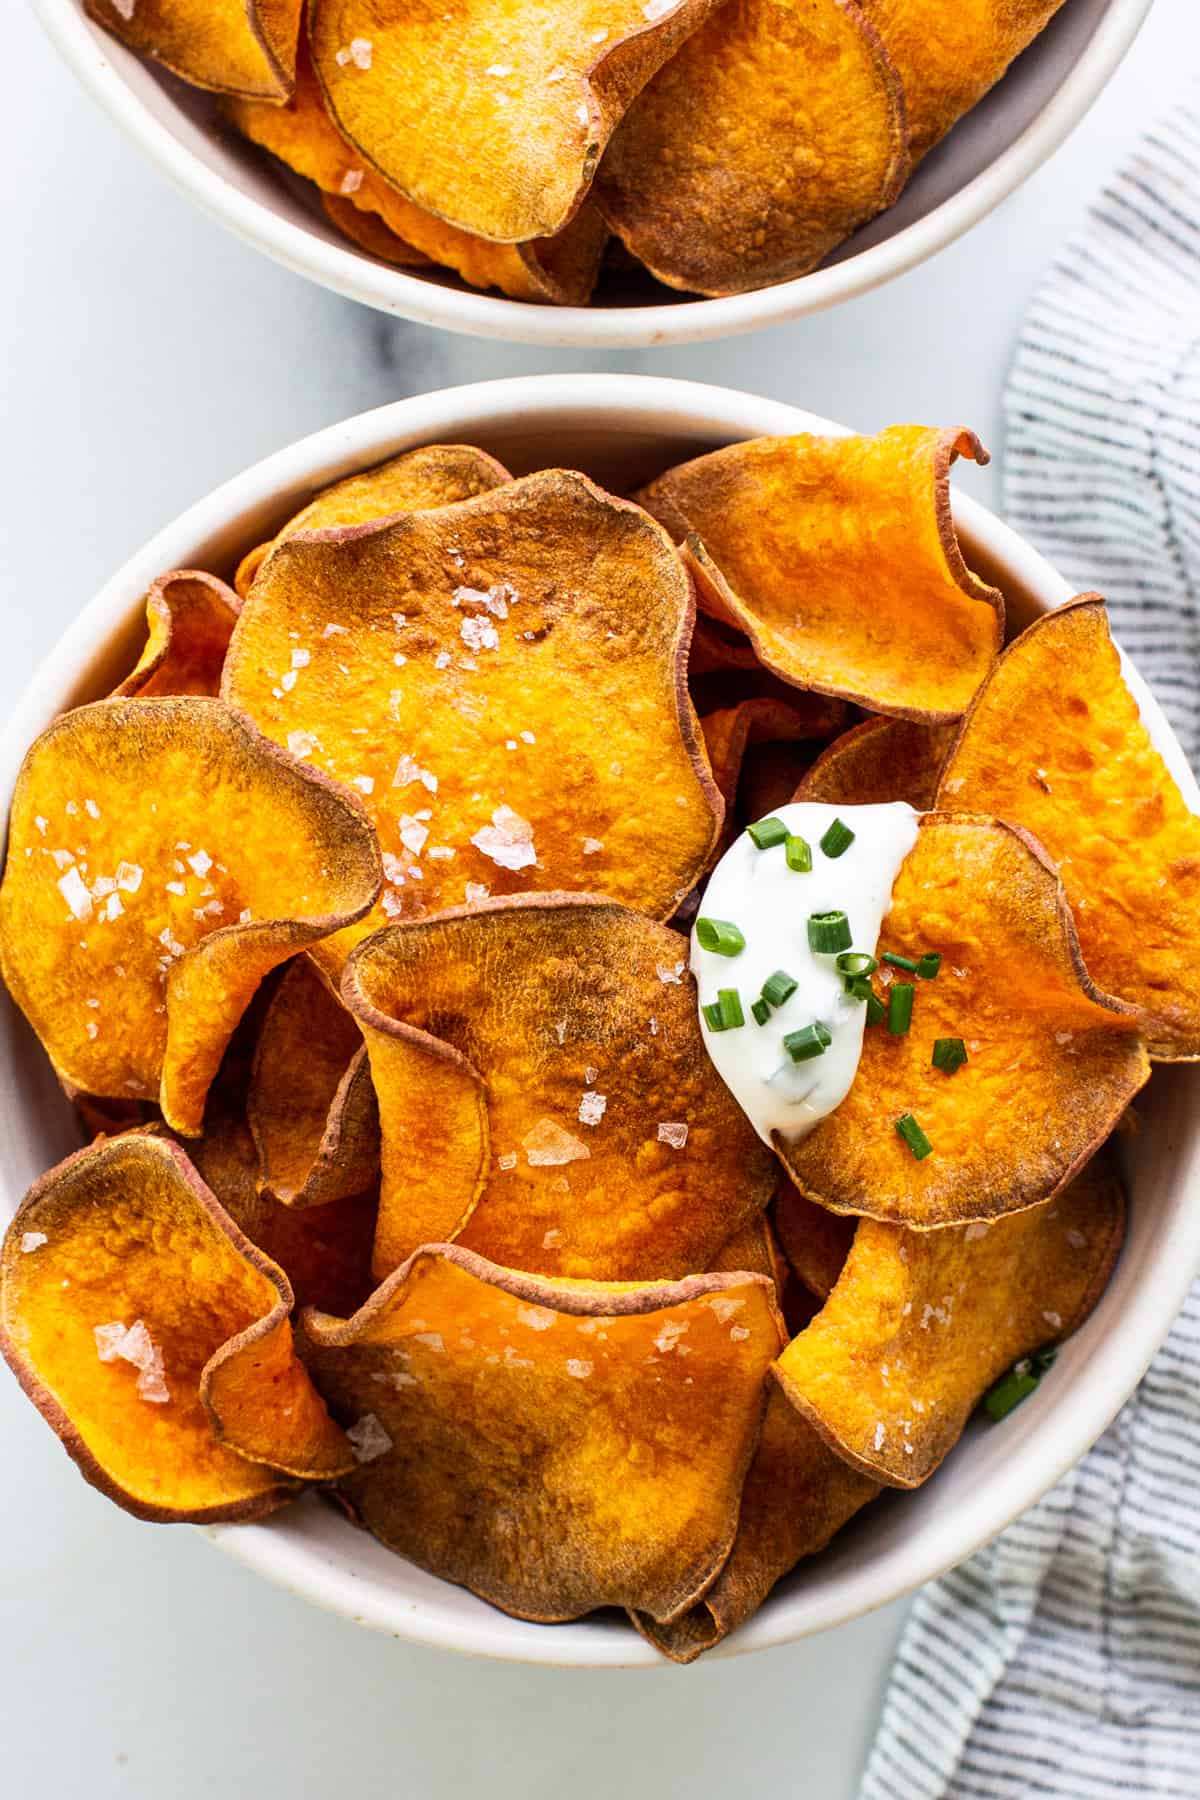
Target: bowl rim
(1116, 1362)
(355, 277)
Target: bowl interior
(620, 430)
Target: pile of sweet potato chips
(721, 145)
(354, 923)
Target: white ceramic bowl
(622, 429)
(990, 152)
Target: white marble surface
(148, 356)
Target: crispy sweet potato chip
(492, 116)
(372, 234)
(232, 46)
(878, 761)
(311, 1105)
(549, 623)
(731, 733)
(562, 268)
(190, 618)
(753, 1249)
(815, 1242)
(1055, 742)
(839, 557)
(162, 857)
(1053, 1061)
(550, 1048)
(774, 133)
(553, 1446)
(155, 1339)
(921, 1323)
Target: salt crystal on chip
(548, 1145)
(673, 1133)
(592, 1107)
(508, 840)
(33, 1240)
(71, 887)
(368, 1439)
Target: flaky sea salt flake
(548, 1145)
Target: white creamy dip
(771, 904)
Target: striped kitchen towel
(1065, 1658)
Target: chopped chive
(1017, 1385)
(837, 839)
(913, 1136)
(730, 1002)
(814, 1040)
(929, 964)
(857, 987)
(779, 987)
(900, 1005)
(761, 1011)
(949, 1054)
(712, 1016)
(899, 962)
(719, 936)
(798, 854)
(828, 932)
(856, 962)
(876, 1010)
(767, 833)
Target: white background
(146, 357)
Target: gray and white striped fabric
(1065, 1658)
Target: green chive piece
(900, 962)
(828, 932)
(876, 1010)
(712, 1016)
(949, 1054)
(857, 987)
(856, 962)
(1017, 1385)
(814, 1040)
(929, 964)
(899, 1007)
(767, 833)
(718, 935)
(761, 1011)
(837, 839)
(730, 1002)
(779, 987)
(913, 1136)
(798, 854)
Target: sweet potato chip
(878, 761)
(839, 557)
(492, 116)
(798, 1495)
(815, 1241)
(561, 268)
(372, 234)
(232, 46)
(503, 683)
(733, 731)
(545, 1093)
(162, 857)
(553, 1446)
(311, 1105)
(1052, 1061)
(190, 618)
(921, 1323)
(949, 56)
(155, 1339)
(1056, 743)
(753, 1249)
(773, 134)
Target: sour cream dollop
(771, 904)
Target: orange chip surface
(553, 1446)
(815, 1241)
(879, 761)
(372, 234)
(921, 1323)
(1052, 1061)
(838, 556)
(190, 618)
(545, 1093)
(502, 681)
(1056, 742)
(155, 1339)
(233, 46)
(774, 133)
(162, 857)
(492, 116)
(752, 1248)
(732, 732)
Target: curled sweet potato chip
(733, 731)
(155, 1339)
(553, 1446)
(561, 268)
(878, 761)
(190, 618)
(431, 475)
(839, 557)
(503, 682)
(1052, 1061)
(798, 1495)
(774, 133)
(752, 1248)
(311, 1105)
(1055, 742)
(162, 857)
(921, 1323)
(372, 233)
(492, 116)
(545, 1094)
(815, 1241)
(232, 46)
